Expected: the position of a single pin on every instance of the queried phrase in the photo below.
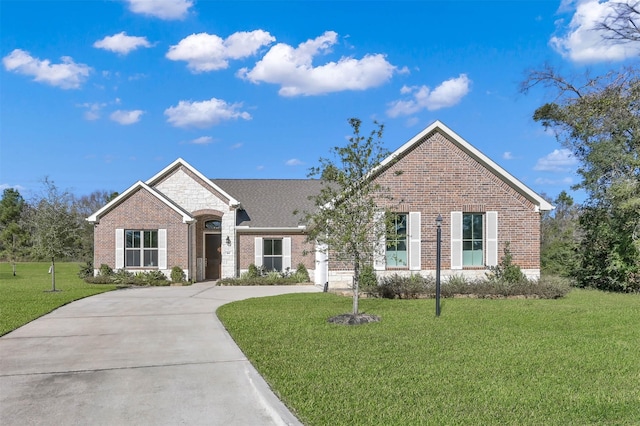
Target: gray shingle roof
(270, 203)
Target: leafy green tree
(13, 236)
(599, 121)
(85, 206)
(55, 226)
(347, 218)
(560, 237)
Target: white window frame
(121, 249)
(286, 251)
(413, 241)
(490, 239)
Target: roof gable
(95, 218)
(470, 150)
(232, 202)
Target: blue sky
(96, 95)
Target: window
(397, 241)
(215, 225)
(472, 239)
(141, 248)
(272, 254)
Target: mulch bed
(352, 319)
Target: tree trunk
(356, 286)
(53, 274)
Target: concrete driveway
(143, 356)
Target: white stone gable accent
(189, 193)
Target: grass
(571, 361)
(28, 295)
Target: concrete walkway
(143, 356)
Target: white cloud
(564, 181)
(202, 140)
(208, 52)
(447, 94)
(126, 117)
(18, 188)
(507, 155)
(163, 9)
(560, 160)
(121, 43)
(204, 114)
(292, 68)
(236, 145)
(66, 75)
(583, 43)
(412, 121)
(92, 112)
(294, 162)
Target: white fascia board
(289, 230)
(232, 201)
(541, 203)
(95, 218)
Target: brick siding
(437, 177)
(141, 211)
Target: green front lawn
(28, 295)
(538, 362)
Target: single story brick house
(216, 228)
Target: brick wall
(437, 177)
(141, 210)
(246, 250)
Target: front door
(212, 249)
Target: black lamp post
(438, 242)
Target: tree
(348, 220)
(85, 206)
(13, 237)
(599, 121)
(560, 237)
(622, 24)
(55, 226)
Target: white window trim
(380, 249)
(414, 241)
(490, 239)
(456, 240)
(121, 252)
(119, 264)
(286, 251)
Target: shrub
(403, 287)
(100, 279)
(105, 270)
(253, 271)
(151, 278)
(301, 274)
(177, 274)
(368, 280)
(122, 276)
(274, 276)
(506, 271)
(86, 270)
